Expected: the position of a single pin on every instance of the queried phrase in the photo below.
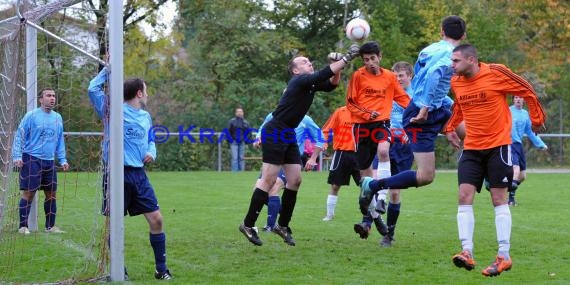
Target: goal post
(47, 46)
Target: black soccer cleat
(285, 233)
(250, 234)
(163, 275)
(381, 226)
(362, 229)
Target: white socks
(503, 223)
(383, 171)
(331, 205)
(466, 226)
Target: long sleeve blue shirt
(40, 134)
(136, 125)
(522, 126)
(432, 78)
(397, 114)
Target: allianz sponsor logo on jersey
(134, 132)
(47, 133)
(371, 92)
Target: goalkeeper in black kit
(278, 141)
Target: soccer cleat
(163, 275)
(386, 241)
(513, 203)
(363, 229)
(380, 225)
(54, 230)
(285, 233)
(465, 260)
(365, 191)
(328, 218)
(250, 234)
(498, 266)
(381, 206)
(24, 231)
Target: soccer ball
(357, 29)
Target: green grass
(202, 211)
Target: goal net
(32, 59)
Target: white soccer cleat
(54, 230)
(24, 231)
(328, 218)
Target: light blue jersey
(40, 134)
(307, 127)
(397, 114)
(522, 126)
(432, 78)
(136, 125)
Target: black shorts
(343, 165)
(368, 136)
(494, 163)
(279, 145)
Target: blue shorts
(518, 155)
(37, 174)
(139, 194)
(422, 136)
(280, 175)
(401, 157)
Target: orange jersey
(481, 101)
(368, 92)
(342, 126)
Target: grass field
(202, 211)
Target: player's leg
(378, 204)
(332, 199)
(24, 210)
(49, 185)
(498, 170)
(260, 195)
(367, 150)
(157, 239)
(401, 159)
(338, 175)
(383, 171)
(143, 200)
(30, 181)
(274, 201)
(393, 213)
(470, 174)
(289, 200)
(519, 164)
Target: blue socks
(25, 207)
(392, 219)
(401, 180)
(50, 209)
(158, 243)
(273, 207)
